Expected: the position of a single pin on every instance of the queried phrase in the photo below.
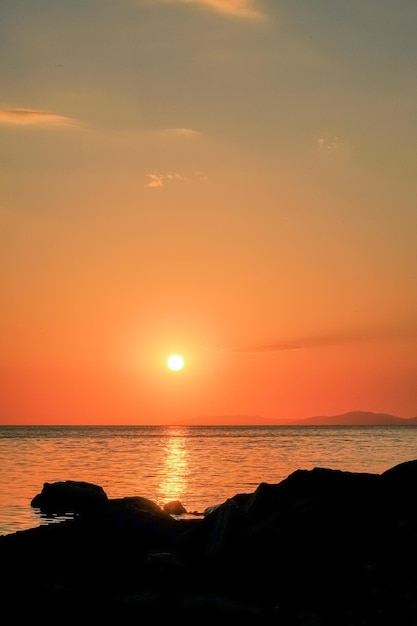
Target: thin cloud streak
(235, 8)
(309, 342)
(274, 347)
(189, 132)
(157, 179)
(32, 117)
(407, 331)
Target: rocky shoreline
(323, 547)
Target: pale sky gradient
(232, 180)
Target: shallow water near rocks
(200, 466)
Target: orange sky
(232, 181)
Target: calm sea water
(200, 466)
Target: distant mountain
(358, 418)
(352, 418)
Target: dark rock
(321, 548)
(69, 497)
(174, 508)
(400, 482)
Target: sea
(199, 465)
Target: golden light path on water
(200, 466)
(176, 469)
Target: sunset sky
(233, 181)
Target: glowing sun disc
(175, 362)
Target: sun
(175, 362)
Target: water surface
(198, 465)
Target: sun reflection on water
(175, 471)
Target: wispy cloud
(245, 9)
(308, 342)
(158, 179)
(187, 132)
(271, 347)
(155, 180)
(32, 117)
(331, 144)
(327, 143)
(322, 340)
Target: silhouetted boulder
(69, 497)
(401, 480)
(174, 508)
(321, 548)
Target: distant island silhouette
(352, 418)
